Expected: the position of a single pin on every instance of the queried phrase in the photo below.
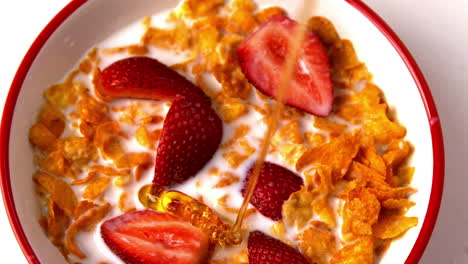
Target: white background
(435, 31)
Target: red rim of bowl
(433, 118)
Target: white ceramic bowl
(85, 23)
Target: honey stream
(196, 212)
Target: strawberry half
(274, 186)
(145, 78)
(191, 135)
(262, 56)
(264, 249)
(150, 237)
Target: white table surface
(435, 31)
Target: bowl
(82, 24)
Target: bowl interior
(94, 21)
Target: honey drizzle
(272, 123)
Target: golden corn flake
(369, 156)
(247, 5)
(64, 94)
(359, 252)
(109, 171)
(405, 175)
(317, 244)
(55, 223)
(360, 212)
(229, 108)
(314, 139)
(122, 181)
(53, 119)
(130, 160)
(227, 179)
(243, 20)
(199, 8)
(59, 191)
(380, 127)
(269, 12)
(363, 173)
(41, 137)
(291, 132)
(125, 203)
(87, 130)
(279, 230)
(291, 152)
(397, 204)
(55, 164)
(322, 208)
(240, 132)
(91, 175)
(143, 138)
(342, 55)
(324, 29)
(336, 154)
(85, 222)
(80, 150)
(135, 49)
(91, 110)
(96, 187)
(139, 170)
(391, 226)
(396, 153)
(328, 125)
(297, 210)
(82, 207)
(107, 140)
(234, 158)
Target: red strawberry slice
(262, 59)
(275, 185)
(191, 135)
(264, 249)
(145, 78)
(150, 237)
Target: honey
(189, 209)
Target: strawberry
(275, 185)
(264, 249)
(191, 135)
(262, 57)
(151, 237)
(145, 78)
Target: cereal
(391, 226)
(52, 119)
(96, 187)
(317, 244)
(269, 12)
(337, 154)
(354, 161)
(297, 210)
(359, 252)
(85, 222)
(59, 191)
(360, 212)
(41, 137)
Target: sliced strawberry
(275, 185)
(262, 58)
(264, 249)
(150, 237)
(191, 135)
(145, 78)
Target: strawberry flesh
(275, 185)
(150, 237)
(264, 249)
(145, 78)
(262, 58)
(191, 135)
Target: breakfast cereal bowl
(82, 25)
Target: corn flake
(336, 154)
(86, 222)
(269, 12)
(59, 191)
(130, 160)
(91, 110)
(391, 226)
(82, 207)
(41, 137)
(226, 179)
(297, 210)
(324, 29)
(360, 212)
(317, 244)
(359, 252)
(79, 150)
(96, 187)
(53, 119)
